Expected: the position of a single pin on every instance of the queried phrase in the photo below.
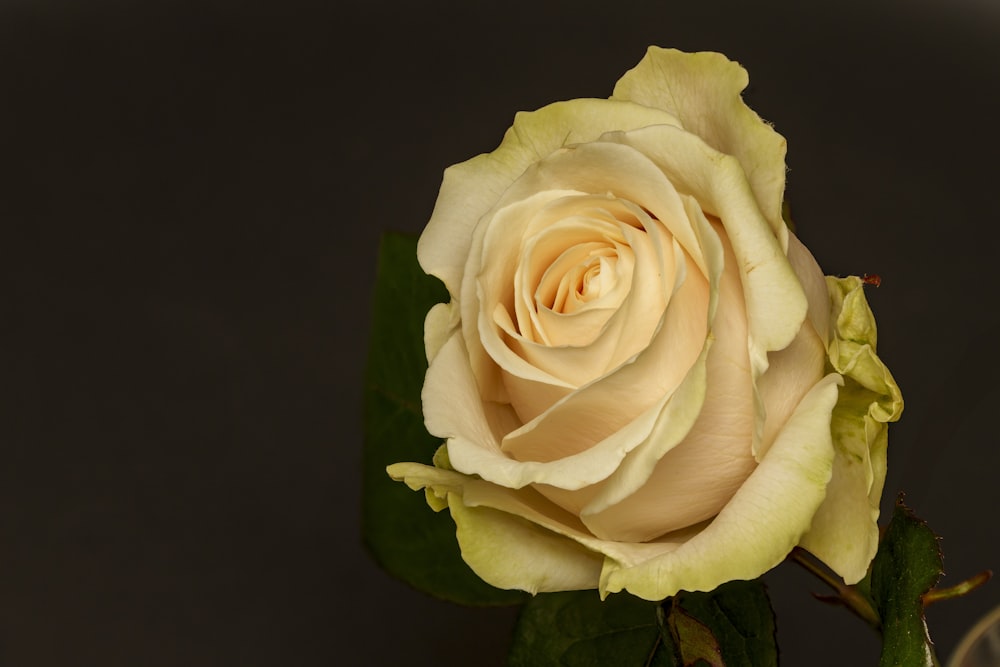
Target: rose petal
(844, 533)
(813, 284)
(453, 410)
(633, 317)
(443, 486)
(775, 302)
(439, 325)
(590, 419)
(695, 479)
(754, 532)
(678, 415)
(791, 374)
(470, 189)
(510, 552)
(703, 91)
(488, 298)
(763, 521)
(504, 549)
(625, 333)
(597, 168)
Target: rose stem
(849, 596)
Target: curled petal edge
(844, 533)
(703, 90)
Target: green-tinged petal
(471, 188)
(503, 548)
(844, 533)
(512, 553)
(703, 91)
(533, 507)
(760, 525)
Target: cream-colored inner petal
(571, 277)
(573, 313)
(600, 416)
(505, 368)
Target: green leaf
(577, 629)
(907, 565)
(691, 638)
(732, 626)
(740, 617)
(404, 535)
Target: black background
(190, 203)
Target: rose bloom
(644, 380)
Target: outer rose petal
(844, 533)
(703, 91)
(511, 552)
(763, 521)
(500, 545)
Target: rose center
(588, 280)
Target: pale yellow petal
(511, 539)
(513, 553)
(703, 90)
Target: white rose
(643, 378)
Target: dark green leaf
(577, 629)
(404, 535)
(907, 565)
(732, 626)
(740, 617)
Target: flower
(644, 380)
